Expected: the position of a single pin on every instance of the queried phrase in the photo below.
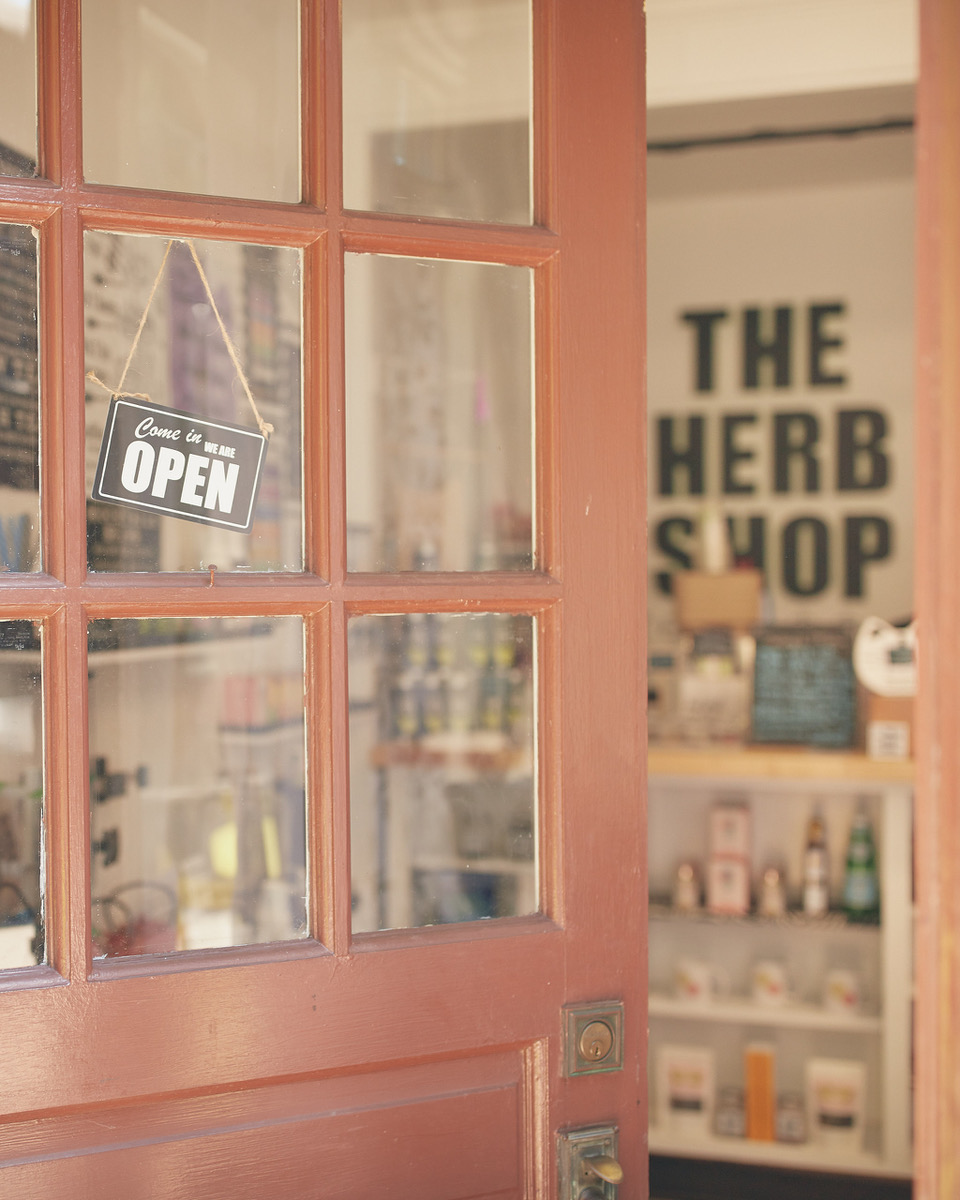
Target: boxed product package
(836, 1091)
(685, 1089)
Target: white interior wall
(704, 51)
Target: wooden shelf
(742, 1011)
(774, 762)
(473, 866)
(257, 734)
(177, 794)
(174, 651)
(833, 922)
(479, 752)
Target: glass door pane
(193, 96)
(18, 88)
(169, 480)
(19, 401)
(22, 865)
(442, 777)
(437, 108)
(198, 783)
(439, 414)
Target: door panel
(451, 1127)
(409, 1061)
(382, 998)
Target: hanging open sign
(163, 460)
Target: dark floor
(695, 1179)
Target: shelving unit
(769, 1154)
(781, 788)
(235, 775)
(792, 764)
(793, 919)
(738, 1011)
(419, 835)
(175, 651)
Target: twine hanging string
(265, 427)
(118, 390)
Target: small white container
(836, 1091)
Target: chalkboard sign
(804, 691)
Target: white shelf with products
(429, 840)
(782, 788)
(278, 731)
(243, 647)
(454, 862)
(792, 921)
(769, 1154)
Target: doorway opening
(780, 379)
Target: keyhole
(596, 1041)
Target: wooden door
(417, 1061)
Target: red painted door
(401, 1032)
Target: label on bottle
(816, 899)
(860, 892)
(860, 851)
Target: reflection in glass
(18, 88)
(442, 784)
(21, 796)
(436, 108)
(439, 415)
(19, 401)
(193, 96)
(197, 783)
(181, 361)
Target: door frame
(937, 813)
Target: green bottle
(861, 889)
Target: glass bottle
(861, 889)
(816, 869)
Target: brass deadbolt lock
(596, 1041)
(593, 1038)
